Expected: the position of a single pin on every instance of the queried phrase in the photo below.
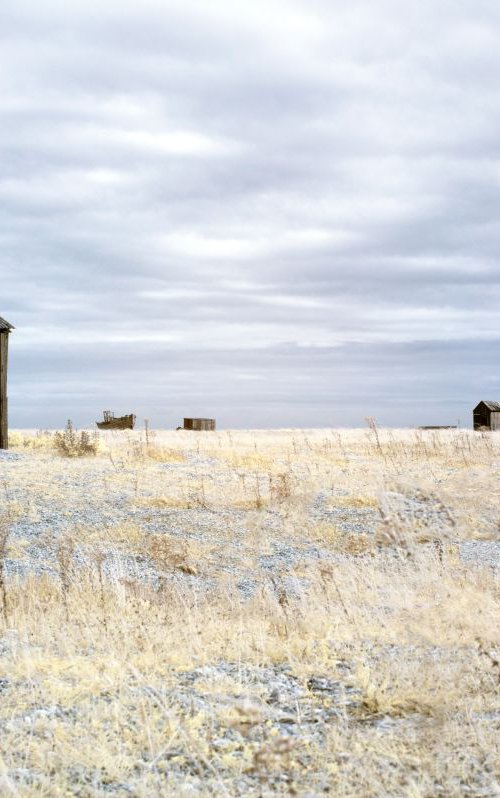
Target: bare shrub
(71, 444)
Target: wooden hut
(200, 424)
(5, 329)
(487, 415)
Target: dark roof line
(495, 406)
(4, 325)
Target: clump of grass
(353, 501)
(327, 534)
(249, 504)
(254, 461)
(161, 454)
(170, 554)
(280, 486)
(71, 444)
(398, 698)
(167, 502)
(358, 545)
(125, 535)
(42, 439)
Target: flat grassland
(293, 612)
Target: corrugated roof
(4, 325)
(495, 406)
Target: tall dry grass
(97, 692)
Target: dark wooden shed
(487, 415)
(200, 424)
(5, 329)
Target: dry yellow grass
(369, 666)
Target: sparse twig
(4, 537)
(65, 550)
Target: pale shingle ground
(302, 724)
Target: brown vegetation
(367, 665)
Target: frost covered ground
(251, 613)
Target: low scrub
(70, 443)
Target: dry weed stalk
(4, 539)
(65, 550)
(372, 425)
(99, 558)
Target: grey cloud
(270, 184)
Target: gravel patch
(480, 553)
(83, 498)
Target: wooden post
(5, 329)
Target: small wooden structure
(110, 422)
(487, 415)
(5, 329)
(200, 424)
(434, 426)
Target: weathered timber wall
(4, 348)
(200, 424)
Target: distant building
(199, 424)
(487, 415)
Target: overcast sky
(275, 213)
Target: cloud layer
(276, 214)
